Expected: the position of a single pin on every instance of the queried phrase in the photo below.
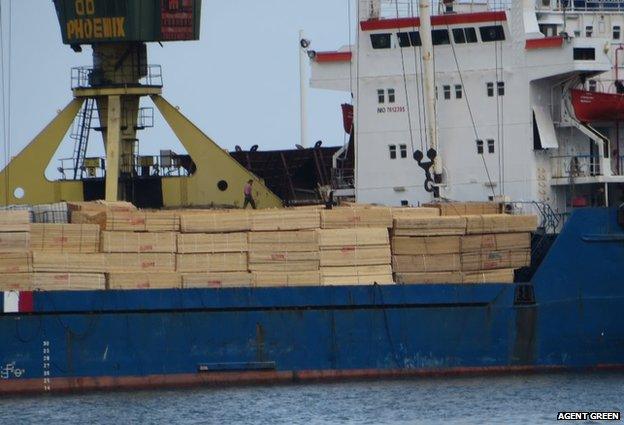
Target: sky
(239, 83)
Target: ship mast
(424, 12)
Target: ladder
(80, 135)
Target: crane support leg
(218, 177)
(113, 135)
(23, 180)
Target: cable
(407, 104)
(422, 120)
(2, 95)
(472, 119)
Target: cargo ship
(102, 295)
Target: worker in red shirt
(248, 195)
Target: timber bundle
(107, 246)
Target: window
(592, 85)
(577, 33)
(492, 33)
(584, 53)
(490, 89)
(381, 41)
(390, 95)
(490, 143)
(589, 30)
(480, 147)
(440, 37)
(404, 40)
(393, 151)
(500, 86)
(381, 97)
(464, 35)
(471, 35)
(407, 39)
(458, 36)
(616, 32)
(447, 92)
(415, 38)
(403, 149)
(458, 91)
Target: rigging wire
(3, 97)
(472, 119)
(407, 103)
(420, 100)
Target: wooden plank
(466, 208)
(278, 257)
(215, 221)
(339, 238)
(136, 262)
(429, 226)
(426, 263)
(144, 280)
(71, 238)
(428, 278)
(212, 242)
(407, 212)
(216, 280)
(365, 275)
(284, 219)
(501, 223)
(221, 262)
(494, 242)
(68, 281)
(137, 242)
(298, 240)
(489, 276)
(45, 261)
(16, 262)
(14, 220)
(143, 221)
(14, 242)
(304, 278)
(340, 218)
(16, 281)
(488, 260)
(286, 266)
(356, 256)
(425, 245)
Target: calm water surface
(509, 399)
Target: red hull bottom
(81, 384)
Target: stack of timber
(285, 257)
(467, 208)
(213, 259)
(461, 249)
(15, 256)
(355, 256)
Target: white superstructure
(507, 128)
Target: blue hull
(569, 316)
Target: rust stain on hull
(82, 384)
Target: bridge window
(490, 143)
(589, 30)
(440, 37)
(490, 89)
(393, 151)
(480, 147)
(458, 91)
(447, 92)
(464, 35)
(584, 53)
(403, 149)
(492, 33)
(391, 97)
(616, 32)
(500, 85)
(381, 41)
(381, 96)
